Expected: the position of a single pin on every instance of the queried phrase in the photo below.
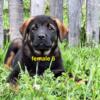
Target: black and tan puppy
(40, 41)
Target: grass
(80, 82)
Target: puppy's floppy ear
(24, 26)
(63, 30)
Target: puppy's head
(43, 32)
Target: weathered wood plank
(56, 8)
(37, 7)
(15, 17)
(74, 7)
(92, 28)
(1, 23)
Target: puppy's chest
(42, 65)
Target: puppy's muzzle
(42, 42)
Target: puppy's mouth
(42, 48)
(42, 45)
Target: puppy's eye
(51, 26)
(34, 27)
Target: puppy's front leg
(13, 76)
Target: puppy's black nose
(41, 36)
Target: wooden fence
(83, 18)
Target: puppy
(39, 45)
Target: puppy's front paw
(14, 87)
